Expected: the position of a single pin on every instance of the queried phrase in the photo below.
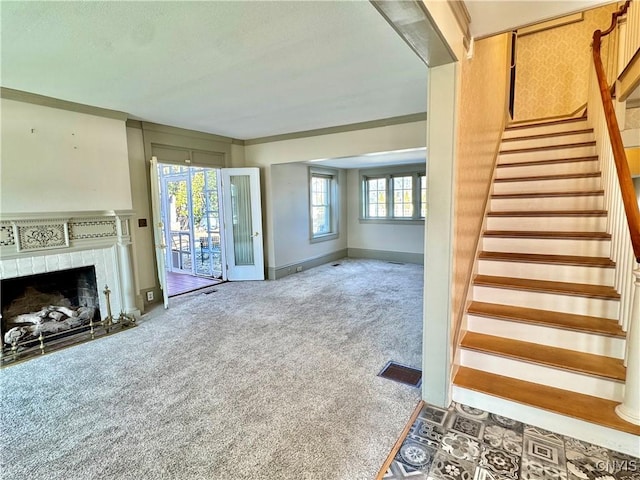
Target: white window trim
(415, 170)
(334, 205)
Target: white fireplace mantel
(33, 243)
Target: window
(394, 194)
(323, 200)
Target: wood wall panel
(481, 119)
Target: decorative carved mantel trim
(25, 233)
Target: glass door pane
(242, 221)
(178, 221)
(206, 218)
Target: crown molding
(384, 122)
(44, 101)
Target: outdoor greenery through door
(191, 215)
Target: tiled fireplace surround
(31, 244)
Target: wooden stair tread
(565, 321)
(549, 234)
(588, 193)
(591, 158)
(560, 358)
(546, 286)
(602, 262)
(566, 176)
(575, 405)
(546, 148)
(548, 135)
(520, 126)
(550, 213)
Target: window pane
(376, 197)
(423, 196)
(403, 196)
(320, 220)
(321, 204)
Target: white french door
(242, 213)
(158, 231)
(240, 254)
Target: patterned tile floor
(464, 443)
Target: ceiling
(496, 16)
(397, 157)
(243, 69)
(239, 69)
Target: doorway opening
(190, 212)
(207, 226)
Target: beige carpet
(258, 380)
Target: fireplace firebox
(50, 310)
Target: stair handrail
(622, 166)
(620, 202)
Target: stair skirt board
(592, 201)
(592, 223)
(550, 154)
(547, 271)
(565, 425)
(546, 140)
(541, 185)
(543, 374)
(595, 307)
(549, 246)
(548, 335)
(509, 170)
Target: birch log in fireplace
(63, 274)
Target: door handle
(256, 234)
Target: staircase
(542, 327)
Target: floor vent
(210, 291)
(335, 265)
(401, 373)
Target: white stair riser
(544, 129)
(556, 224)
(583, 184)
(550, 336)
(547, 271)
(578, 202)
(587, 166)
(573, 381)
(548, 246)
(554, 154)
(547, 141)
(594, 307)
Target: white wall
(291, 216)
(57, 160)
(374, 236)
